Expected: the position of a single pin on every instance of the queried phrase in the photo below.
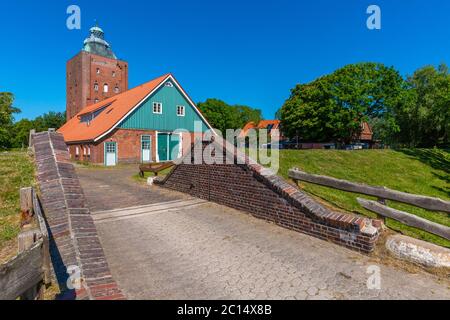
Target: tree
(48, 120)
(7, 111)
(247, 114)
(21, 133)
(332, 107)
(21, 129)
(424, 115)
(223, 116)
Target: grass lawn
(420, 171)
(16, 171)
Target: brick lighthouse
(94, 74)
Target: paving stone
(214, 252)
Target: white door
(110, 154)
(146, 148)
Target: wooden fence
(26, 275)
(383, 194)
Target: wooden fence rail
(429, 203)
(26, 274)
(406, 218)
(383, 194)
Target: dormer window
(157, 107)
(89, 117)
(105, 88)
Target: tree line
(413, 111)
(16, 134)
(223, 116)
(220, 114)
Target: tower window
(105, 88)
(114, 74)
(96, 100)
(157, 107)
(98, 70)
(180, 111)
(116, 89)
(96, 86)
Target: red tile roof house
(136, 126)
(263, 124)
(366, 134)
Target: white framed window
(77, 151)
(105, 88)
(157, 107)
(180, 111)
(84, 151)
(89, 151)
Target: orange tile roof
(116, 108)
(263, 124)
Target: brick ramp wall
(74, 239)
(250, 187)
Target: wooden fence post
(26, 239)
(26, 204)
(26, 199)
(45, 237)
(30, 137)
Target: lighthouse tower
(94, 74)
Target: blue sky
(244, 52)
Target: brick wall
(251, 188)
(128, 146)
(81, 75)
(73, 235)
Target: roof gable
(170, 97)
(118, 108)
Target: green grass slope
(16, 171)
(419, 171)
